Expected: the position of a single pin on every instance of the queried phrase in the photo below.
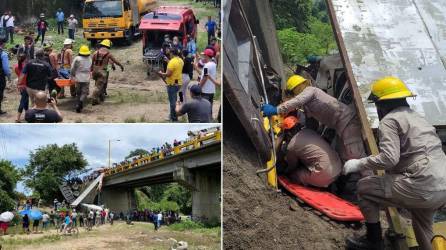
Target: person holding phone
(209, 71)
(173, 79)
(40, 113)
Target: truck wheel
(129, 37)
(93, 43)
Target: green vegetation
(164, 197)
(49, 166)
(189, 225)
(304, 31)
(137, 152)
(9, 177)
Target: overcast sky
(17, 141)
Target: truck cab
(115, 19)
(177, 21)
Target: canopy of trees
(164, 197)
(9, 177)
(24, 9)
(303, 29)
(49, 166)
(137, 152)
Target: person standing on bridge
(411, 153)
(100, 71)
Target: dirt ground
(132, 95)
(119, 236)
(256, 217)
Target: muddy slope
(255, 217)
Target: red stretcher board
(329, 204)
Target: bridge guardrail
(184, 147)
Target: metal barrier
(190, 145)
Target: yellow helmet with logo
(389, 88)
(107, 43)
(294, 81)
(84, 50)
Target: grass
(41, 240)
(196, 234)
(189, 225)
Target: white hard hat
(68, 41)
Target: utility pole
(109, 152)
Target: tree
(9, 176)
(180, 195)
(155, 192)
(49, 166)
(292, 14)
(136, 152)
(164, 197)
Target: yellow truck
(114, 19)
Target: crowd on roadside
(166, 150)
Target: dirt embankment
(256, 217)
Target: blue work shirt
(191, 47)
(5, 63)
(211, 26)
(60, 16)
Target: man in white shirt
(7, 22)
(209, 71)
(72, 25)
(159, 220)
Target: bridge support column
(119, 199)
(206, 198)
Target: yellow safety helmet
(107, 43)
(389, 88)
(294, 81)
(84, 50)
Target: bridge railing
(184, 147)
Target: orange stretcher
(63, 82)
(327, 203)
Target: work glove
(351, 166)
(113, 67)
(122, 68)
(269, 110)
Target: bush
(296, 47)
(186, 225)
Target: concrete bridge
(195, 165)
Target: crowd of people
(179, 64)
(42, 72)
(165, 150)
(158, 218)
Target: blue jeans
(59, 27)
(24, 101)
(71, 34)
(172, 93)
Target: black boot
(372, 240)
(79, 107)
